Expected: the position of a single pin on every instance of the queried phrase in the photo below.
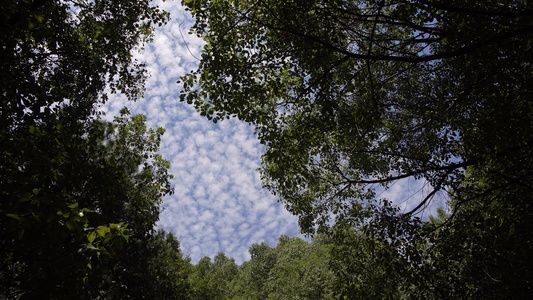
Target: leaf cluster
(79, 196)
(350, 97)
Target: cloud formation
(219, 204)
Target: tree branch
(497, 39)
(447, 7)
(449, 168)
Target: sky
(219, 204)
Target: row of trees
(294, 269)
(350, 264)
(351, 96)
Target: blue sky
(218, 204)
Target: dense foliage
(352, 96)
(212, 279)
(294, 269)
(348, 96)
(79, 196)
(73, 200)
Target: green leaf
(102, 231)
(39, 17)
(73, 205)
(91, 236)
(26, 197)
(14, 216)
(69, 225)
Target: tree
(75, 190)
(483, 252)
(153, 268)
(294, 269)
(369, 268)
(302, 271)
(351, 96)
(211, 280)
(67, 52)
(76, 200)
(253, 275)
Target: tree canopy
(75, 203)
(80, 196)
(350, 97)
(294, 269)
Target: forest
(347, 96)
